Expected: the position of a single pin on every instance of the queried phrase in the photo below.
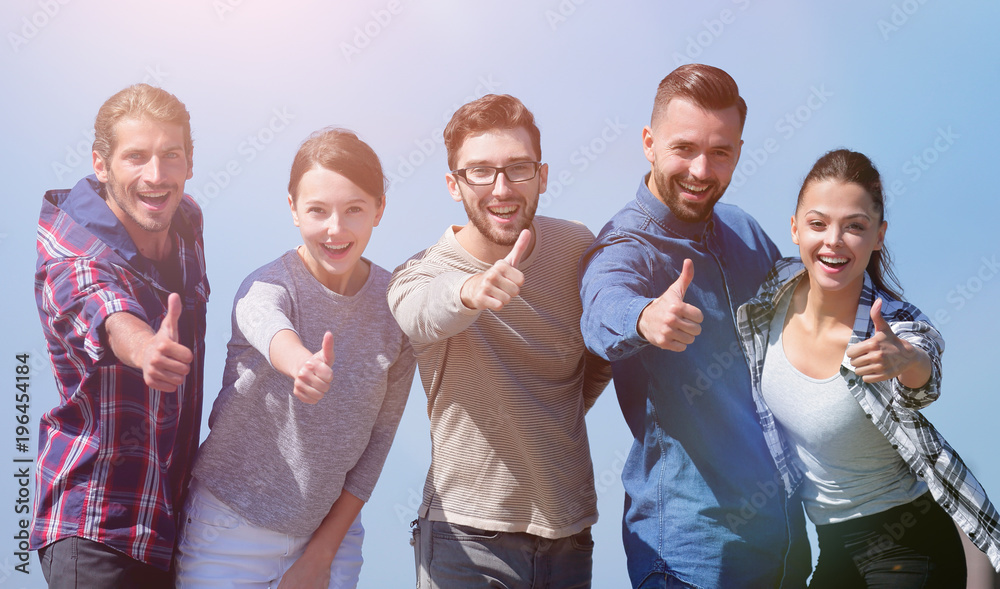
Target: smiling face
(497, 212)
(693, 153)
(144, 178)
(837, 227)
(335, 218)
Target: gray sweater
(275, 460)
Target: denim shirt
(704, 500)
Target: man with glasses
(493, 313)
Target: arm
(312, 569)
(361, 479)
(596, 375)
(621, 312)
(908, 353)
(312, 372)
(164, 362)
(431, 302)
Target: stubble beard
(504, 237)
(130, 206)
(683, 209)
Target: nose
(153, 171)
(834, 236)
(501, 186)
(699, 167)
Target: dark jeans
(450, 556)
(915, 545)
(74, 562)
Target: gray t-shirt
(280, 462)
(850, 468)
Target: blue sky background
(911, 83)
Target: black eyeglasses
(486, 175)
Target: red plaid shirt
(114, 456)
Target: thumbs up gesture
(313, 378)
(166, 363)
(884, 356)
(495, 288)
(668, 322)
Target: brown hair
(138, 102)
(847, 166)
(708, 87)
(340, 151)
(493, 111)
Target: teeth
(692, 188)
(832, 260)
(154, 195)
(336, 248)
(503, 210)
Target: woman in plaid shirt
(841, 366)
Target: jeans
(77, 562)
(450, 556)
(220, 548)
(914, 545)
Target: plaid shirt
(892, 406)
(114, 455)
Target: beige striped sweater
(506, 391)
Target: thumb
(878, 320)
(326, 354)
(680, 286)
(169, 325)
(520, 247)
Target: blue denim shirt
(704, 500)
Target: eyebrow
(520, 159)
(825, 216)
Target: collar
(83, 203)
(661, 214)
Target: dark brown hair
(493, 111)
(847, 166)
(708, 87)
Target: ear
(101, 168)
(453, 188)
(795, 232)
(647, 143)
(379, 212)
(295, 214)
(543, 178)
(881, 235)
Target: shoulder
(735, 217)
(434, 259)
(191, 219)
(566, 234)
(275, 274)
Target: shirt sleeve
(924, 336)
(614, 288)
(360, 480)
(261, 313)
(425, 299)
(596, 376)
(79, 294)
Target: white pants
(220, 548)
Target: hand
(497, 286)
(668, 322)
(313, 378)
(306, 573)
(884, 356)
(166, 363)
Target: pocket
(205, 509)
(452, 531)
(583, 541)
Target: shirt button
(868, 415)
